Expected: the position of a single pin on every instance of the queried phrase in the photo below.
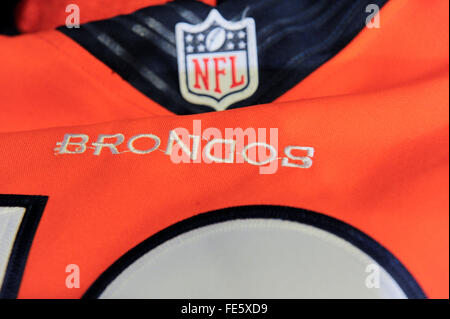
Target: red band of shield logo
(217, 61)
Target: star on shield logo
(217, 60)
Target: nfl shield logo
(217, 61)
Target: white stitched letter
(273, 153)
(67, 141)
(209, 146)
(307, 160)
(151, 136)
(173, 137)
(100, 144)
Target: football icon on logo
(215, 39)
(217, 61)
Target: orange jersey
(184, 145)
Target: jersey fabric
(87, 138)
(32, 16)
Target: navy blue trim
(345, 231)
(7, 17)
(294, 38)
(34, 208)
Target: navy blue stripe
(7, 17)
(34, 208)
